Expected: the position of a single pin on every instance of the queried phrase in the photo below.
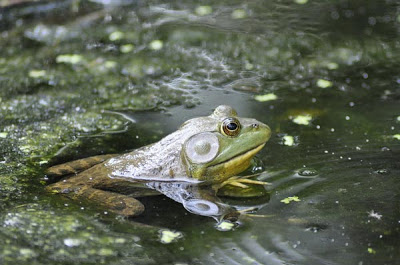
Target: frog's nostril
(255, 125)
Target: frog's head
(222, 144)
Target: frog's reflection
(203, 200)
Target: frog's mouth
(240, 158)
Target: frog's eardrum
(202, 147)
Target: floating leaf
(169, 236)
(239, 14)
(203, 10)
(288, 140)
(303, 119)
(116, 35)
(225, 226)
(110, 64)
(37, 73)
(301, 2)
(290, 199)
(156, 45)
(126, 48)
(266, 97)
(69, 58)
(322, 83)
(332, 66)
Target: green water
(332, 65)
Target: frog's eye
(230, 127)
(202, 147)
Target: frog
(209, 151)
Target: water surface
(328, 68)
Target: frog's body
(206, 149)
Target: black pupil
(231, 126)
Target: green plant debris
(302, 119)
(371, 251)
(301, 2)
(26, 148)
(225, 226)
(396, 136)
(75, 239)
(249, 260)
(69, 58)
(322, 83)
(290, 199)
(156, 45)
(239, 14)
(116, 35)
(106, 252)
(332, 66)
(169, 236)
(73, 242)
(37, 73)
(203, 10)
(27, 253)
(248, 66)
(110, 64)
(288, 140)
(126, 48)
(266, 97)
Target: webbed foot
(240, 181)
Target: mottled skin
(113, 181)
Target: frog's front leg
(241, 187)
(240, 181)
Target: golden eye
(230, 127)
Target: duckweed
(69, 58)
(156, 45)
(169, 236)
(203, 10)
(239, 14)
(266, 97)
(37, 73)
(322, 83)
(303, 119)
(288, 140)
(290, 199)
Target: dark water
(333, 65)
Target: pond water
(322, 74)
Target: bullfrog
(204, 152)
